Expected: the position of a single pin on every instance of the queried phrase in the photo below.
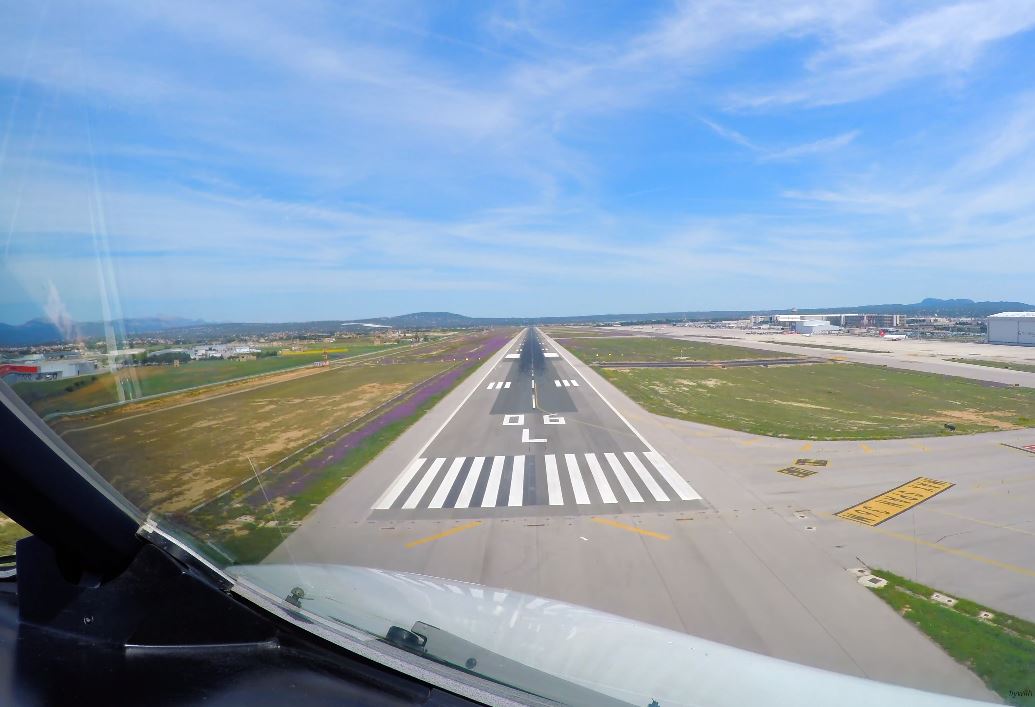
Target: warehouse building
(1011, 328)
(815, 326)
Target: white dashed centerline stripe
(492, 488)
(577, 485)
(646, 478)
(598, 477)
(627, 485)
(467, 491)
(684, 490)
(553, 482)
(424, 483)
(517, 481)
(447, 483)
(386, 501)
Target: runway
(535, 438)
(615, 509)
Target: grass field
(561, 332)
(659, 349)
(247, 533)
(46, 397)
(171, 458)
(1001, 650)
(1027, 367)
(827, 400)
(312, 430)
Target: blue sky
(307, 160)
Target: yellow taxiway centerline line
(944, 548)
(632, 528)
(444, 534)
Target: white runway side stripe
(598, 478)
(492, 488)
(517, 481)
(684, 490)
(400, 483)
(553, 482)
(646, 478)
(447, 483)
(578, 487)
(425, 482)
(467, 490)
(623, 479)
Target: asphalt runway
(677, 525)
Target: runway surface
(624, 511)
(534, 438)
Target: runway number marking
(553, 420)
(898, 500)
(526, 438)
(514, 420)
(796, 471)
(811, 462)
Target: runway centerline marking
(444, 534)
(631, 528)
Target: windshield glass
(578, 341)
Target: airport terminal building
(1011, 328)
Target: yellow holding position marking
(898, 500)
(444, 533)
(632, 528)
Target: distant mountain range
(42, 331)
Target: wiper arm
(444, 647)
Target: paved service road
(534, 438)
(626, 518)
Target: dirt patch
(977, 418)
(801, 405)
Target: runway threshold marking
(631, 528)
(444, 534)
(900, 499)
